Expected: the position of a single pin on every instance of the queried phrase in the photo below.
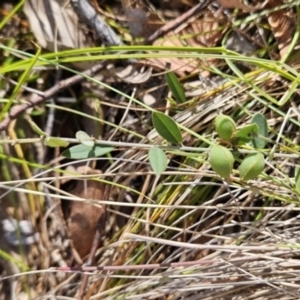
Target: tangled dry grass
(185, 234)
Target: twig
(37, 99)
(178, 21)
(91, 18)
(96, 242)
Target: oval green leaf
(158, 160)
(82, 151)
(260, 141)
(166, 127)
(55, 142)
(252, 166)
(225, 127)
(84, 138)
(221, 160)
(246, 134)
(175, 87)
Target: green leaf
(221, 160)
(55, 142)
(84, 138)
(260, 141)
(225, 127)
(245, 134)
(158, 160)
(35, 127)
(252, 166)
(82, 151)
(166, 127)
(297, 179)
(176, 88)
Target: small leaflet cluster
(255, 134)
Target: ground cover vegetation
(149, 149)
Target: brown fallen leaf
(199, 31)
(83, 216)
(236, 4)
(141, 23)
(283, 25)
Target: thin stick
(37, 99)
(178, 21)
(91, 18)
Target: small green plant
(221, 158)
(254, 134)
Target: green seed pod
(252, 166)
(221, 160)
(225, 127)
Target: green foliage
(221, 160)
(259, 141)
(245, 134)
(225, 127)
(84, 138)
(166, 127)
(252, 166)
(164, 207)
(175, 87)
(82, 151)
(256, 132)
(55, 142)
(158, 160)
